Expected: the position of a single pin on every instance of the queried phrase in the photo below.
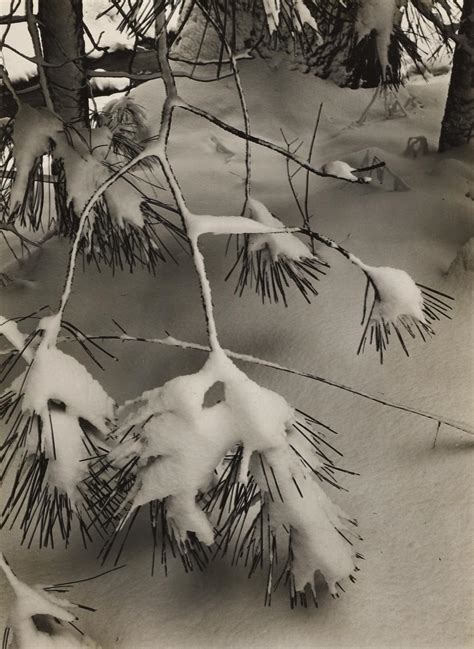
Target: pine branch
(9, 19)
(171, 341)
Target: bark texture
(458, 121)
(62, 38)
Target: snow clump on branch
(61, 416)
(273, 261)
(38, 618)
(181, 447)
(398, 303)
(377, 16)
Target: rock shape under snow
(464, 261)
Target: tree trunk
(63, 40)
(458, 121)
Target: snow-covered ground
(413, 501)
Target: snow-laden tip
(284, 245)
(344, 171)
(39, 619)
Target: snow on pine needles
(123, 228)
(272, 263)
(40, 618)
(57, 417)
(399, 306)
(207, 473)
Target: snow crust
(84, 172)
(304, 15)
(313, 519)
(54, 611)
(85, 154)
(17, 338)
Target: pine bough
(246, 476)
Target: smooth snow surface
(413, 502)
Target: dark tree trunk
(62, 38)
(458, 120)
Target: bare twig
(242, 55)
(10, 227)
(290, 176)
(267, 144)
(14, 4)
(161, 152)
(306, 189)
(220, 30)
(9, 85)
(9, 19)
(171, 341)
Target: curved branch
(269, 145)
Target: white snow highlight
(344, 171)
(39, 618)
(397, 294)
(181, 443)
(378, 16)
(284, 245)
(272, 12)
(12, 333)
(61, 394)
(33, 131)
